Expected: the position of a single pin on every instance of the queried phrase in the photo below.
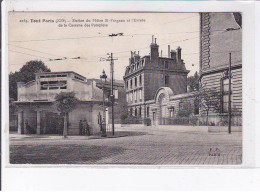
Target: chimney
(136, 57)
(169, 51)
(173, 55)
(154, 54)
(131, 60)
(179, 54)
(155, 40)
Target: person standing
(81, 128)
(87, 128)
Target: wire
(28, 54)
(226, 51)
(34, 50)
(180, 19)
(220, 31)
(59, 39)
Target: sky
(50, 39)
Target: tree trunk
(65, 129)
(207, 120)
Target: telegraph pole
(229, 95)
(112, 96)
(112, 92)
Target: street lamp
(103, 78)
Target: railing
(179, 121)
(132, 121)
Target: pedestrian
(87, 130)
(84, 127)
(81, 128)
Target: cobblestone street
(145, 147)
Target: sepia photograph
(125, 88)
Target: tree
(209, 100)
(65, 102)
(185, 108)
(193, 82)
(25, 74)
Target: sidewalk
(16, 136)
(179, 128)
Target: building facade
(220, 35)
(120, 98)
(152, 81)
(37, 113)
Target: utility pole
(112, 96)
(112, 92)
(229, 95)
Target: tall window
(136, 112)
(135, 81)
(180, 106)
(171, 109)
(131, 97)
(196, 107)
(140, 80)
(131, 83)
(126, 84)
(140, 111)
(166, 79)
(166, 64)
(171, 113)
(131, 111)
(147, 112)
(225, 91)
(140, 95)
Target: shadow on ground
(121, 134)
(62, 154)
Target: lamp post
(103, 78)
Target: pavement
(130, 146)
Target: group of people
(84, 127)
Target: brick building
(156, 87)
(149, 76)
(221, 34)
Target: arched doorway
(162, 109)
